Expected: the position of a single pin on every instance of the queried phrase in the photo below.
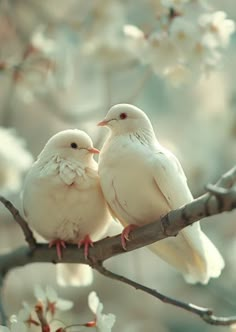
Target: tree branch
(206, 205)
(205, 314)
(218, 200)
(29, 237)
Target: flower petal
(64, 304)
(106, 322)
(18, 327)
(51, 294)
(93, 302)
(39, 293)
(25, 312)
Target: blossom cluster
(15, 159)
(187, 42)
(48, 304)
(185, 39)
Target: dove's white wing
(171, 180)
(200, 257)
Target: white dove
(63, 200)
(142, 181)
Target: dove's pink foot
(59, 245)
(86, 243)
(125, 234)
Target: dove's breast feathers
(68, 171)
(68, 200)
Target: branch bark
(29, 237)
(220, 198)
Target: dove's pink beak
(93, 150)
(102, 123)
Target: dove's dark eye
(123, 116)
(74, 145)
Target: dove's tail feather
(192, 253)
(74, 275)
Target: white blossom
(184, 46)
(136, 42)
(16, 326)
(178, 75)
(163, 52)
(26, 315)
(41, 41)
(50, 300)
(14, 160)
(217, 27)
(104, 323)
(104, 39)
(133, 32)
(204, 57)
(184, 34)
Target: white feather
(143, 181)
(62, 198)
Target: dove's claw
(86, 243)
(125, 234)
(59, 245)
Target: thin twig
(205, 314)
(29, 237)
(228, 179)
(42, 319)
(3, 317)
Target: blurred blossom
(184, 34)
(133, 32)
(136, 41)
(190, 42)
(163, 52)
(103, 38)
(178, 75)
(25, 314)
(14, 160)
(104, 323)
(217, 28)
(16, 326)
(41, 41)
(50, 300)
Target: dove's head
(71, 143)
(126, 118)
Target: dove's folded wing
(171, 181)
